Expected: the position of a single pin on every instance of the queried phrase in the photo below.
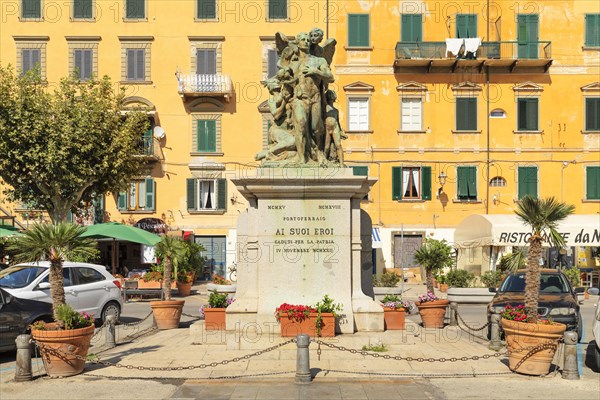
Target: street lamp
(442, 179)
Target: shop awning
(508, 230)
(376, 235)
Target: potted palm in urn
(63, 344)
(523, 328)
(434, 255)
(167, 312)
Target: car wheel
(111, 308)
(579, 328)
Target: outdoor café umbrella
(7, 230)
(117, 231)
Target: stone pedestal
(304, 236)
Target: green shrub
(574, 276)
(378, 348)
(388, 279)
(491, 278)
(459, 278)
(217, 300)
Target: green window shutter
(273, 59)
(396, 183)
(192, 193)
(467, 183)
(135, 9)
(31, 9)
(207, 135)
(358, 30)
(150, 196)
(528, 182)
(98, 203)
(222, 194)
(122, 201)
(466, 25)
(206, 61)
(207, 9)
(148, 143)
(82, 8)
(592, 30)
(466, 114)
(360, 170)
(277, 9)
(592, 184)
(426, 183)
(527, 115)
(412, 28)
(83, 63)
(592, 114)
(527, 35)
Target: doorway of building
(405, 247)
(214, 253)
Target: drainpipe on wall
(327, 19)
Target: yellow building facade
(457, 108)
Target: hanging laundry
(453, 46)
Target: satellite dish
(159, 132)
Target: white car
(88, 287)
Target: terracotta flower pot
(214, 319)
(432, 313)
(184, 288)
(68, 343)
(443, 287)
(291, 328)
(167, 314)
(394, 318)
(521, 335)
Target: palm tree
(542, 216)
(434, 255)
(170, 248)
(54, 243)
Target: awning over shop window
(508, 230)
(376, 238)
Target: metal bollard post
(495, 342)
(453, 312)
(23, 362)
(570, 366)
(302, 360)
(110, 332)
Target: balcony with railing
(507, 55)
(212, 85)
(148, 149)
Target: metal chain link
(543, 346)
(441, 375)
(460, 318)
(121, 323)
(59, 353)
(410, 359)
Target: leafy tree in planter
(62, 146)
(169, 249)
(434, 255)
(542, 216)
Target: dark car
(557, 299)
(16, 315)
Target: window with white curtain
(411, 182)
(358, 114)
(412, 114)
(207, 199)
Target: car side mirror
(43, 286)
(493, 290)
(579, 290)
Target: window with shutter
(592, 114)
(222, 194)
(30, 58)
(272, 63)
(411, 183)
(411, 114)
(467, 183)
(396, 183)
(527, 35)
(466, 26)
(528, 181)
(31, 9)
(412, 28)
(278, 9)
(360, 170)
(592, 184)
(136, 64)
(206, 61)
(207, 136)
(592, 30)
(466, 114)
(207, 9)
(358, 30)
(135, 9)
(83, 63)
(192, 193)
(150, 194)
(527, 114)
(358, 114)
(426, 183)
(122, 201)
(82, 9)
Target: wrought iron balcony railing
(510, 50)
(205, 85)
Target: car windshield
(549, 283)
(20, 276)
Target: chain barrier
(122, 324)
(190, 316)
(409, 359)
(460, 318)
(59, 353)
(536, 349)
(441, 375)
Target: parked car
(88, 287)
(16, 315)
(557, 299)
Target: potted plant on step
(387, 284)
(221, 285)
(63, 344)
(167, 312)
(394, 312)
(522, 326)
(214, 312)
(184, 283)
(317, 320)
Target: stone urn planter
(214, 319)
(167, 314)
(433, 313)
(289, 327)
(394, 318)
(184, 289)
(380, 291)
(521, 335)
(60, 349)
(470, 295)
(228, 289)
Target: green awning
(114, 230)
